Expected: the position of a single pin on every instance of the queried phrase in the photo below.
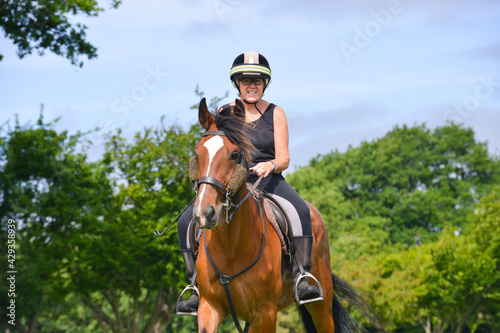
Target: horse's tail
(343, 321)
(307, 320)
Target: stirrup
(179, 299)
(302, 276)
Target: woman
(268, 130)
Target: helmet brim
(250, 76)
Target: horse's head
(219, 165)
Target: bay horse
(240, 264)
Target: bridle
(237, 180)
(214, 181)
(239, 177)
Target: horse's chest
(247, 288)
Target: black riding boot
(303, 291)
(190, 306)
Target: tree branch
(97, 313)
(142, 312)
(35, 317)
(116, 309)
(132, 322)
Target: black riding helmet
(250, 65)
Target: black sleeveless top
(261, 134)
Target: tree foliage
(122, 273)
(448, 285)
(414, 179)
(46, 25)
(51, 192)
(85, 229)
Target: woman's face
(251, 89)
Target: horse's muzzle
(207, 218)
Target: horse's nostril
(211, 213)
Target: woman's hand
(263, 169)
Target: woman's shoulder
(279, 115)
(278, 110)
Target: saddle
(276, 215)
(278, 218)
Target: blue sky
(343, 71)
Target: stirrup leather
(303, 276)
(179, 299)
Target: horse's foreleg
(209, 318)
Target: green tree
(418, 179)
(452, 285)
(46, 25)
(50, 190)
(351, 235)
(120, 273)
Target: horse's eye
(235, 155)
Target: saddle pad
(278, 219)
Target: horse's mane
(234, 127)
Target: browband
(214, 133)
(221, 133)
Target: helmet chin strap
(255, 104)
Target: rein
(157, 233)
(223, 278)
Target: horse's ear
(204, 116)
(239, 108)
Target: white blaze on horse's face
(213, 145)
(206, 213)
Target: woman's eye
(235, 155)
